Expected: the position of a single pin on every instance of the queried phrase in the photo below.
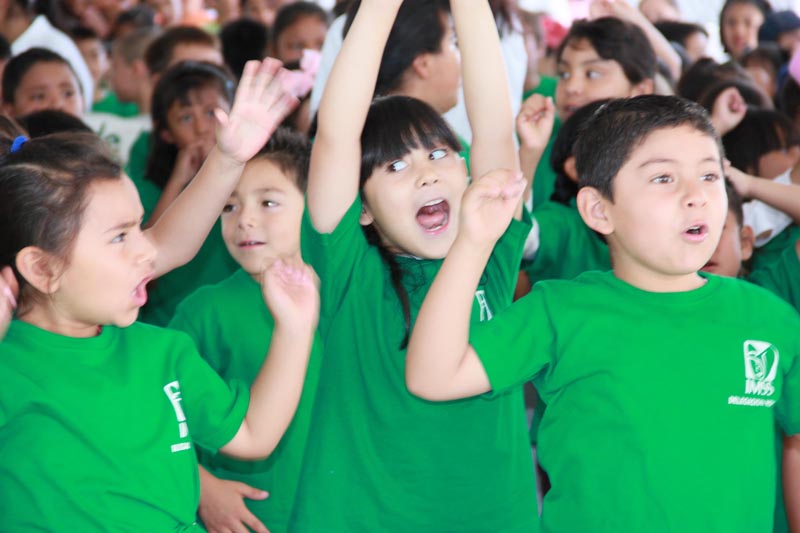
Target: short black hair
(243, 40)
(618, 41)
(760, 131)
(5, 48)
(706, 79)
(291, 151)
(678, 31)
(735, 203)
(418, 29)
(789, 99)
(47, 121)
(619, 127)
(159, 54)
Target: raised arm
(292, 296)
(260, 105)
(534, 127)
(440, 363)
(485, 84)
(336, 156)
(781, 196)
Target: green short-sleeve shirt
(661, 407)
(379, 458)
(567, 246)
(232, 328)
(111, 104)
(771, 252)
(781, 277)
(97, 434)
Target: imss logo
(760, 367)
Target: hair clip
(18, 142)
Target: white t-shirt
(42, 34)
(119, 132)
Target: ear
(366, 217)
(748, 239)
(646, 86)
(422, 66)
(593, 208)
(570, 169)
(39, 269)
(140, 69)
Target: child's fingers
(9, 286)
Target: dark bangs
(396, 125)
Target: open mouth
(248, 245)
(434, 216)
(696, 232)
(140, 292)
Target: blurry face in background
(306, 32)
(47, 85)
(263, 10)
(739, 30)
(96, 57)
(696, 45)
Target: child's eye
(69, 93)
(228, 208)
(662, 179)
(119, 238)
(710, 177)
(185, 118)
(269, 203)
(397, 166)
(38, 97)
(439, 153)
(593, 74)
(563, 75)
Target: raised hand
(291, 291)
(222, 506)
(8, 300)
(728, 110)
(261, 103)
(489, 204)
(535, 122)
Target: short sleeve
(781, 277)
(518, 345)
(214, 409)
(504, 263)
(334, 256)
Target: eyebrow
(587, 62)
(125, 225)
(657, 160)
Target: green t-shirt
(380, 459)
(547, 87)
(544, 179)
(211, 265)
(770, 252)
(659, 405)
(781, 277)
(96, 434)
(111, 104)
(137, 163)
(232, 328)
(567, 246)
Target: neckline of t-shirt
(706, 290)
(31, 333)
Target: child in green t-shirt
(385, 186)
(231, 326)
(647, 371)
(98, 415)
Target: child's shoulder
(227, 290)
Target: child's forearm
(781, 196)
(184, 226)
(336, 156)
(274, 394)
(791, 480)
(529, 159)
(439, 357)
(486, 92)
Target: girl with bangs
(376, 242)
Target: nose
(572, 85)
(427, 176)
(695, 193)
(246, 218)
(203, 124)
(146, 252)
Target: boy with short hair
(648, 371)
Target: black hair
(19, 65)
(394, 126)
(619, 127)
(762, 5)
(45, 188)
(243, 40)
(47, 121)
(175, 86)
(288, 14)
(706, 79)
(138, 17)
(789, 99)
(5, 48)
(678, 31)
(418, 29)
(564, 147)
(291, 151)
(760, 131)
(767, 55)
(158, 55)
(82, 33)
(618, 41)
(735, 203)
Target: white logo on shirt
(483, 305)
(760, 369)
(173, 392)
